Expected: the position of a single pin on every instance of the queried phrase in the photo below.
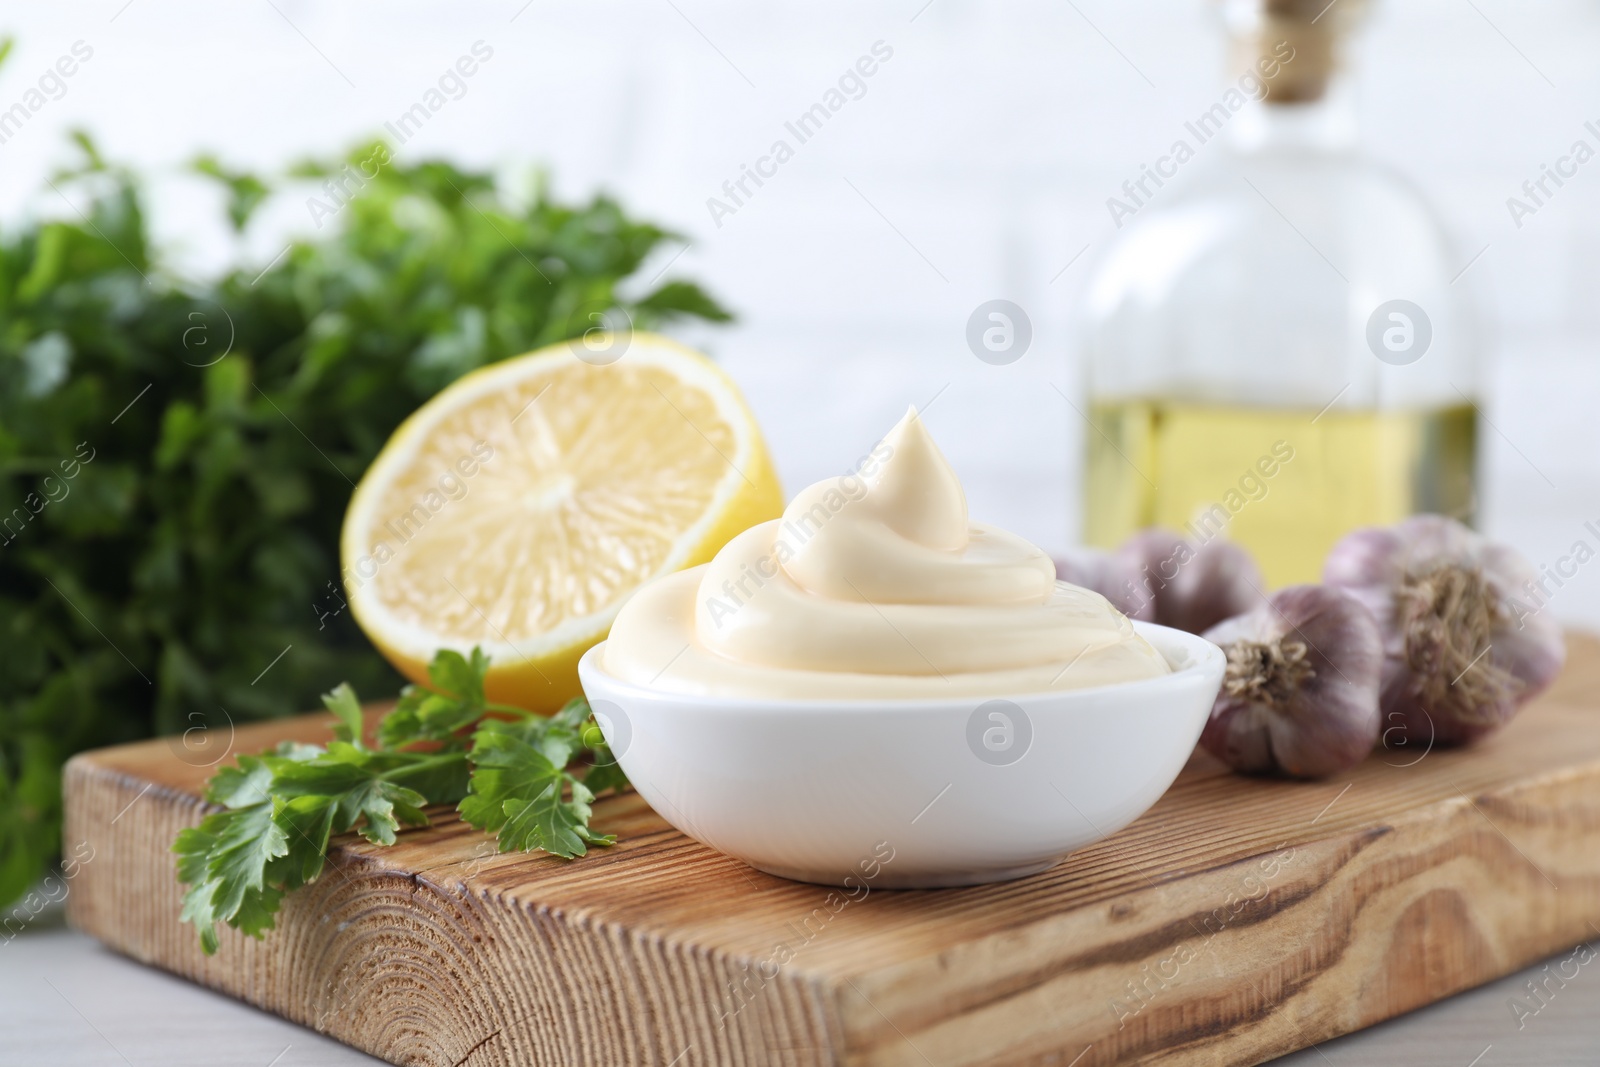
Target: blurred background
(975, 166)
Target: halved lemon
(519, 507)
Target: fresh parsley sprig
(510, 771)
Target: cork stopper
(1294, 45)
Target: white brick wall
(990, 140)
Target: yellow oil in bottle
(1285, 483)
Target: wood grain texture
(1238, 920)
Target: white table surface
(66, 1001)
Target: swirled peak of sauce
(874, 585)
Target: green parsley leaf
(225, 858)
(246, 840)
(505, 766)
(307, 823)
(439, 714)
(423, 715)
(281, 809)
(359, 788)
(241, 786)
(452, 674)
(558, 826)
(521, 790)
(347, 709)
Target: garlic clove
(1462, 651)
(1300, 695)
(1110, 575)
(1195, 585)
(1531, 645)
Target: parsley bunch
(508, 770)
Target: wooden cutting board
(1238, 920)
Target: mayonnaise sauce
(875, 585)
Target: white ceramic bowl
(910, 793)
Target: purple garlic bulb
(1300, 694)
(1462, 649)
(1195, 585)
